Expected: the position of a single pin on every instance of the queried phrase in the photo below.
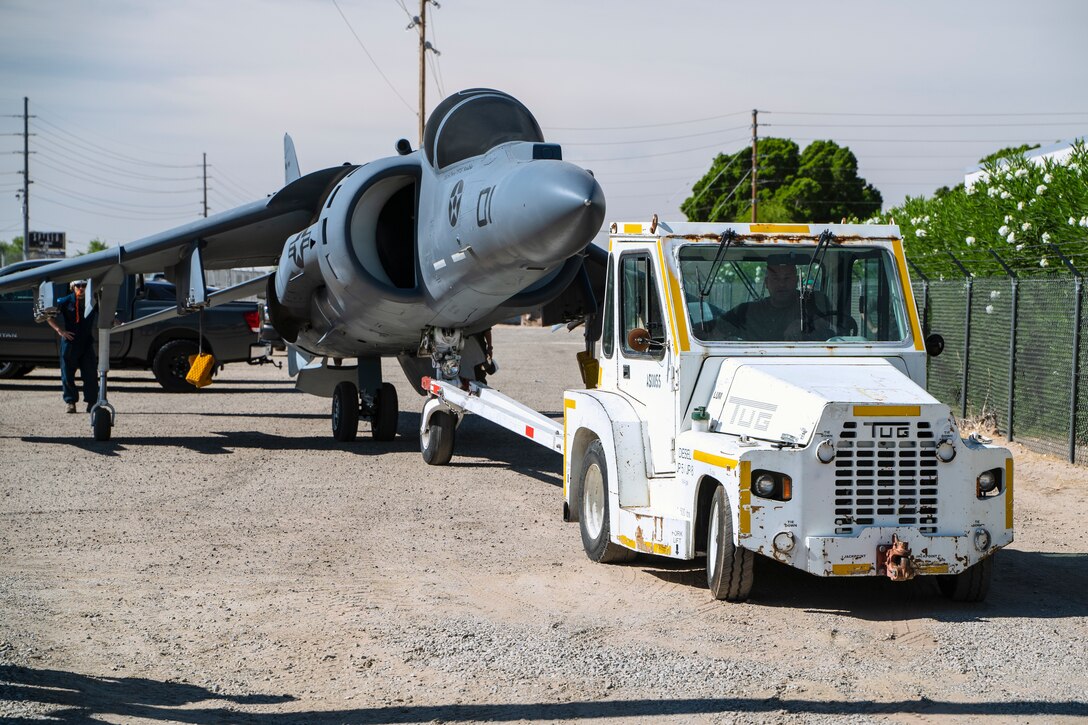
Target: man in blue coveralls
(77, 347)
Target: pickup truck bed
(230, 333)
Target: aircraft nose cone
(551, 209)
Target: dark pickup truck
(230, 332)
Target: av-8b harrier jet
(413, 256)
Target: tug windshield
(762, 294)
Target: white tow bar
(492, 405)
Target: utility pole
(205, 185)
(755, 161)
(422, 67)
(420, 22)
(26, 177)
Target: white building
(1056, 153)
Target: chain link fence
(1015, 356)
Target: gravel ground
(224, 560)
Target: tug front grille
(885, 475)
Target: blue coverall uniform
(79, 352)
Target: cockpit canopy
(472, 122)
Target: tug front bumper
(866, 554)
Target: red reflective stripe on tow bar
(528, 432)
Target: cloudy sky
(127, 96)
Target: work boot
(71, 407)
(89, 406)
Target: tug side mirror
(934, 345)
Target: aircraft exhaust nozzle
(548, 211)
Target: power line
(372, 61)
(114, 154)
(920, 125)
(655, 140)
(932, 115)
(648, 125)
(664, 153)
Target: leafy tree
(95, 245)
(11, 251)
(819, 183)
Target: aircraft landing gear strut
(370, 399)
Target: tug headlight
(946, 451)
(988, 483)
(825, 452)
(771, 484)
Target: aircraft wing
(249, 235)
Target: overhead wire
(372, 61)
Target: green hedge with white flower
(1021, 210)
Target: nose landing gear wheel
(345, 412)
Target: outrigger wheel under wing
(250, 235)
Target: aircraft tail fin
(290, 160)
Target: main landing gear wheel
(971, 585)
(383, 420)
(345, 412)
(102, 423)
(729, 568)
(436, 443)
(593, 519)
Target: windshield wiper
(826, 237)
(723, 246)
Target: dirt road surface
(224, 560)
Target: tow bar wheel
(436, 442)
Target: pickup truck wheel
(345, 412)
(729, 568)
(437, 440)
(101, 424)
(10, 370)
(383, 422)
(593, 515)
(171, 365)
(971, 585)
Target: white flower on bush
(1008, 218)
(1072, 222)
(1045, 237)
(994, 294)
(1021, 173)
(1020, 206)
(993, 191)
(1043, 262)
(970, 241)
(989, 309)
(1040, 189)
(919, 232)
(1047, 178)
(1005, 195)
(1025, 226)
(1003, 230)
(926, 219)
(972, 190)
(1019, 247)
(1011, 238)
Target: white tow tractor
(760, 389)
